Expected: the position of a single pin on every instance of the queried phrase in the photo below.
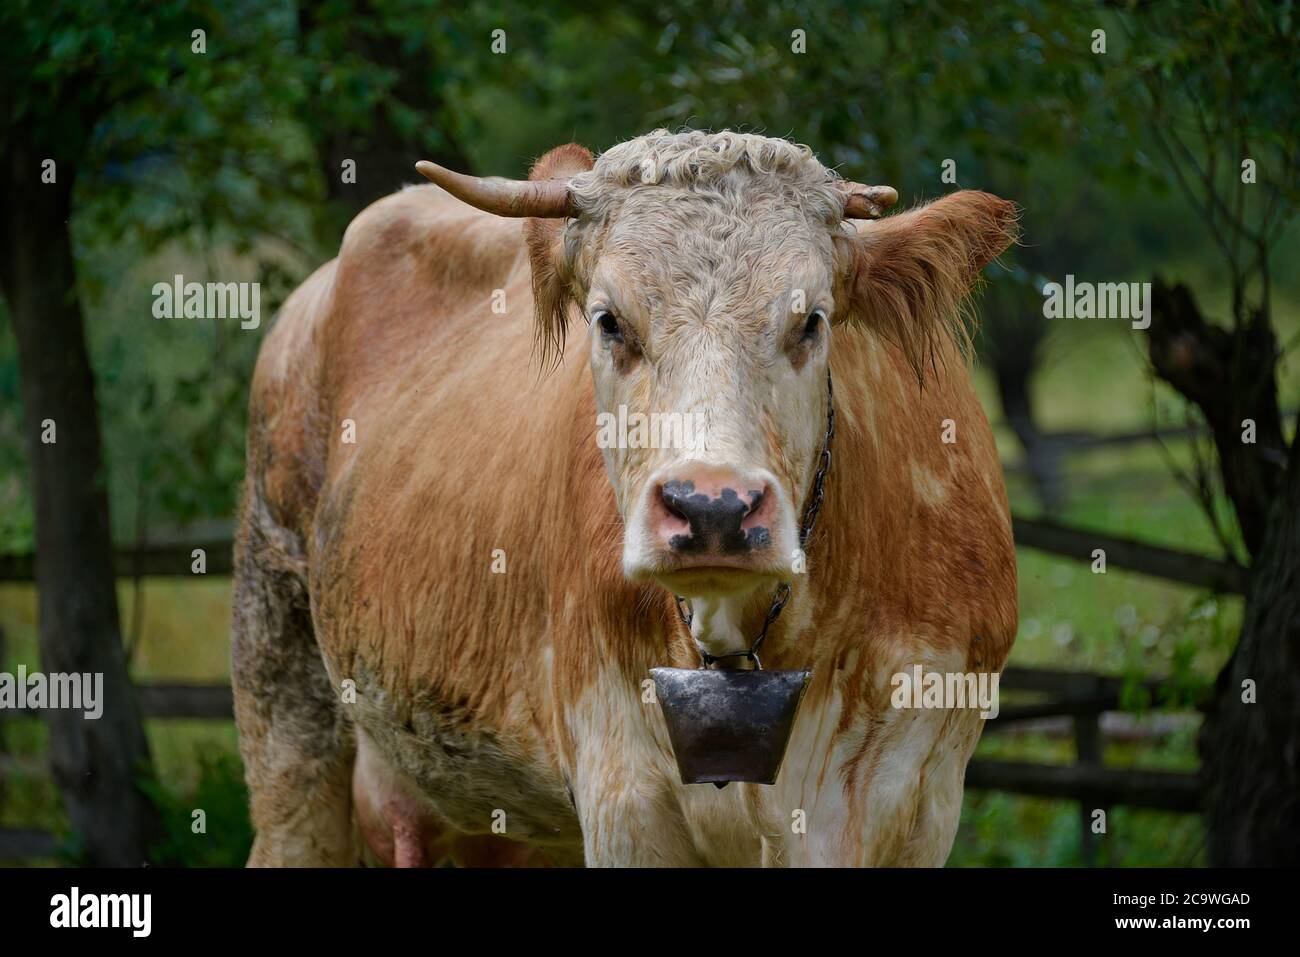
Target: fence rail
(25, 844)
(1160, 790)
(1075, 441)
(164, 701)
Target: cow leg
(637, 825)
(624, 787)
(939, 794)
(296, 744)
(895, 802)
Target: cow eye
(814, 324)
(609, 327)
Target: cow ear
(909, 274)
(552, 287)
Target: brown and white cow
(448, 597)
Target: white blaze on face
(730, 340)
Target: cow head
(711, 270)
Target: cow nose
(715, 512)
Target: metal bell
(729, 725)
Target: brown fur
(552, 290)
(371, 562)
(912, 272)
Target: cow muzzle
(716, 529)
(705, 514)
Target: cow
(448, 595)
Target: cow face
(710, 269)
(709, 330)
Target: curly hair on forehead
(724, 163)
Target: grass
(1117, 622)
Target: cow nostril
(674, 496)
(756, 497)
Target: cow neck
(812, 507)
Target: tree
(1223, 116)
(54, 99)
(90, 88)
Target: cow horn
(505, 197)
(866, 202)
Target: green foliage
(208, 164)
(1219, 79)
(1001, 830)
(222, 797)
(1004, 830)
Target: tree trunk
(1232, 378)
(1042, 457)
(1250, 743)
(96, 763)
(1012, 336)
(1251, 751)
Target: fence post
(1090, 752)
